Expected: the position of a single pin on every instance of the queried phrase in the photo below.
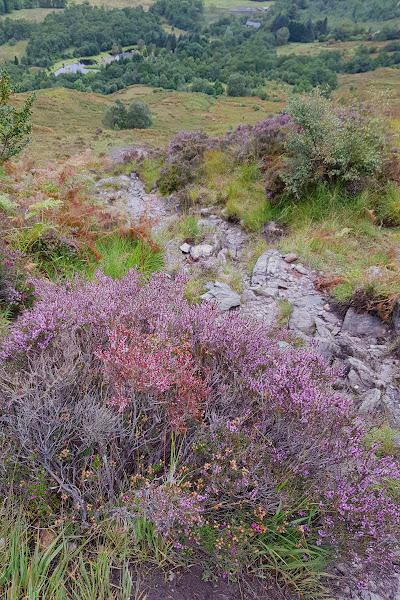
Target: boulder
(185, 248)
(291, 257)
(271, 291)
(222, 256)
(268, 265)
(365, 374)
(248, 296)
(369, 402)
(364, 325)
(310, 302)
(302, 321)
(223, 294)
(201, 251)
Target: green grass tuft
(121, 254)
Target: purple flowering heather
(273, 416)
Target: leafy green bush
(115, 116)
(138, 116)
(349, 146)
(14, 122)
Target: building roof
(253, 24)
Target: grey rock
(206, 211)
(269, 292)
(207, 297)
(248, 296)
(367, 595)
(310, 301)
(201, 251)
(354, 381)
(283, 344)
(272, 229)
(327, 349)
(396, 442)
(302, 321)
(185, 248)
(365, 374)
(376, 273)
(391, 401)
(224, 295)
(222, 256)
(216, 242)
(364, 325)
(301, 269)
(322, 330)
(268, 265)
(369, 402)
(396, 316)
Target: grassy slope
(38, 14)
(384, 80)
(65, 121)
(8, 52)
(34, 15)
(314, 48)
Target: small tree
(115, 116)
(348, 146)
(139, 116)
(236, 85)
(15, 127)
(282, 36)
(114, 49)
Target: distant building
(253, 24)
(263, 8)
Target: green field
(34, 15)
(314, 48)
(8, 52)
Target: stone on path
(201, 251)
(364, 325)
(223, 294)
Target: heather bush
(129, 401)
(264, 139)
(347, 146)
(182, 160)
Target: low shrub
(137, 116)
(182, 160)
(264, 139)
(129, 401)
(349, 146)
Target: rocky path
(128, 194)
(357, 344)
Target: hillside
(200, 300)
